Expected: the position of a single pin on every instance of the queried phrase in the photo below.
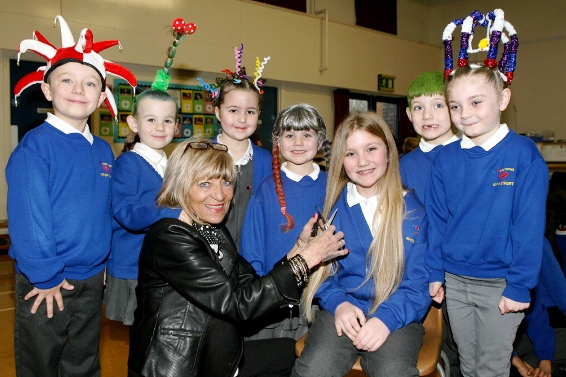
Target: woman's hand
(325, 246)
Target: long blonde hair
(386, 251)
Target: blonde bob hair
(187, 167)
(386, 252)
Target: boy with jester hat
(59, 210)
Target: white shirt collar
(499, 135)
(154, 158)
(247, 157)
(368, 205)
(427, 147)
(66, 128)
(297, 177)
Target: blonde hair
(386, 251)
(491, 76)
(186, 167)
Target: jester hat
(85, 51)
(497, 28)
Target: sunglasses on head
(202, 146)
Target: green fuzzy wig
(427, 84)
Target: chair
(431, 358)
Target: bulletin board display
(196, 111)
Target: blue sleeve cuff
(436, 275)
(517, 293)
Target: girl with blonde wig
(378, 294)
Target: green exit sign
(385, 83)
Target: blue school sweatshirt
(59, 205)
(262, 242)
(410, 302)
(487, 213)
(135, 185)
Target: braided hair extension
(275, 161)
(300, 117)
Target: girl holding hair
(486, 204)
(372, 300)
(137, 176)
(290, 196)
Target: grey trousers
(483, 335)
(327, 354)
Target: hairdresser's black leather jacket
(190, 303)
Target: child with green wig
(430, 115)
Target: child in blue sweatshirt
(284, 202)
(137, 179)
(237, 105)
(374, 298)
(429, 114)
(486, 207)
(138, 176)
(59, 208)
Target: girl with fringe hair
(283, 203)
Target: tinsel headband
(496, 26)
(179, 30)
(239, 75)
(85, 51)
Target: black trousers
(65, 345)
(262, 358)
(268, 358)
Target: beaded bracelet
(300, 269)
(296, 272)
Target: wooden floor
(113, 340)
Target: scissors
(325, 222)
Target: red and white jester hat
(85, 51)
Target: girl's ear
(505, 98)
(133, 124)
(217, 112)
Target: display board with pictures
(196, 111)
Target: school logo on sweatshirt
(106, 169)
(504, 177)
